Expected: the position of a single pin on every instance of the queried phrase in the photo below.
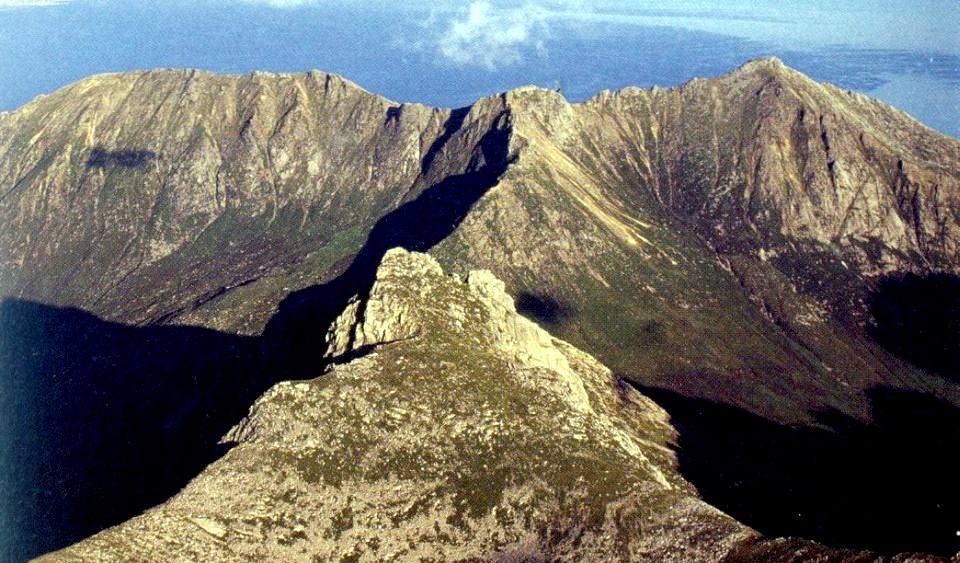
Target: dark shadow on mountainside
(889, 486)
(102, 421)
(541, 307)
(453, 124)
(296, 332)
(123, 158)
(917, 317)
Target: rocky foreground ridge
(449, 429)
(772, 260)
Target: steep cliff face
(765, 156)
(760, 204)
(140, 196)
(464, 432)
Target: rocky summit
(448, 428)
(705, 322)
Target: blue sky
(449, 53)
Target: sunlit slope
(721, 239)
(140, 196)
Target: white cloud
(496, 33)
(492, 37)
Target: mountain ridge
(736, 242)
(747, 70)
(444, 463)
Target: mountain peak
(763, 63)
(153, 86)
(773, 68)
(531, 90)
(467, 429)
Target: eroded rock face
(643, 220)
(464, 431)
(143, 196)
(140, 196)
